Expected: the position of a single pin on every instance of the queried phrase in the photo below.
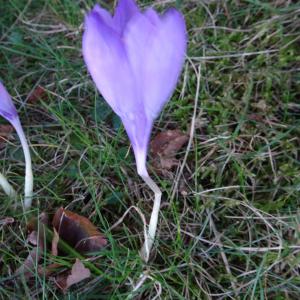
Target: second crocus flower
(9, 112)
(135, 59)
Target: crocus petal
(105, 57)
(104, 14)
(7, 107)
(125, 10)
(156, 49)
(138, 128)
(152, 16)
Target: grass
(229, 226)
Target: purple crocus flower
(135, 59)
(9, 112)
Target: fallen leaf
(78, 273)
(78, 231)
(32, 238)
(39, 93)
(28, 267)
(34, 224)
(168, 142)
(164, 148)
(6, 131)
(35, 238)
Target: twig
(192, 131)
(241, 54)
(223, 255)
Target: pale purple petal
(138, 128)
(152, 16)
(125, 10)
(105, 56)
(156, 50)
(104, 14)
(7, 107)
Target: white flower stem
(146, 249)
(28, 167)
(8, 189)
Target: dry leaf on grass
(39, 93)
(34, 224)
(36, 239)
(78, 231)
(29, 265)
(32, 238)
(72, 228)
(28, 268)
(6, 131)
(78, 273)
(164, 148)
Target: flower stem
(8, 189)
(28, 168)
(146, 249)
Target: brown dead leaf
(6, 131)
(164, 148)
(36, 239)
(39, 93)
(169, 142)
(32, 238)
(78, 273)
(29, 265)
(33, 224)
(78, 231)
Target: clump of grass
(229, 226)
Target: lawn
(229, 226)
